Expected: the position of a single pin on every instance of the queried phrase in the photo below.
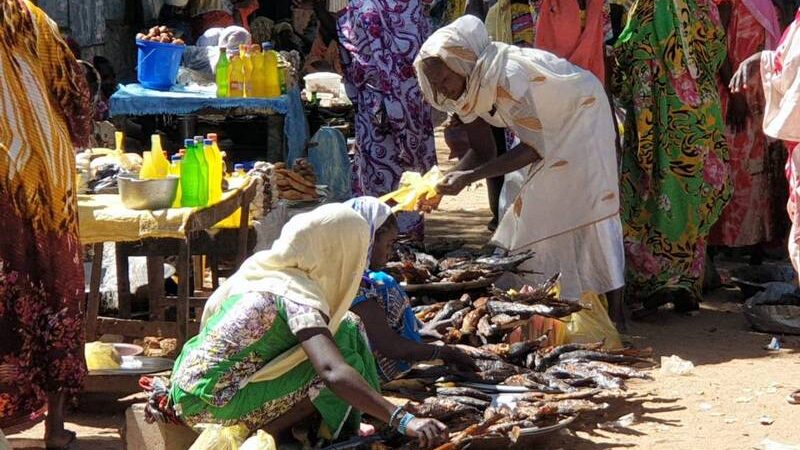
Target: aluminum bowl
(148, 194)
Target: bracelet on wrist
(396, 415)
(437, 352)
(402, 427)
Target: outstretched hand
(454, 182)
(744, 75)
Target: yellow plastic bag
(415, 188)
(592, 324)
(260, 441)
(101, 356)
(217, 437)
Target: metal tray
(527, 437)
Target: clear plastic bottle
(223, 73)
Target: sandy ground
(719, 406)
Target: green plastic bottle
(223, 71)
(190, 176)
(204, 173)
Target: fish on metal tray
(505, 263)
(486, 329)
(579, 375)
(520, 350)
(525, 311)
(504, 320)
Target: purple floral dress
(394, 133)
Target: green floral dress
(675, 175)
(209, 380)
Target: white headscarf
(465, 48)
(374, 211)
(317, 261)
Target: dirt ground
(736, 383)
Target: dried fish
(451, 308)
(470, 323)
(477, 352)
(551, 357)
(590, 355)
(470, 401)
(525, 311)
(520, 350)
(580, 375)
(463, 391)
(618, 371)
(441, 408)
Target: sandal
(794, 398)
(73, 437)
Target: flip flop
(73, 437)
(794, 398)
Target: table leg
(155, 286)
(123, 282)
(184, 291)
(93, 308)
(188, 124)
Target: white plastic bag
(260, 441)
(674, 365)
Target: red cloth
(559, 32)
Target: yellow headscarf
(317, 261)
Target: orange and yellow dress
(44, 116)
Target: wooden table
(155, 249)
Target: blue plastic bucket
(158, 64)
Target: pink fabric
(766, 15)
(559, 32)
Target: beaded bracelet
(395, 415)
(436, 352)
(402, 427)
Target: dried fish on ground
(463, 391)
(441, 408)
(551, 357)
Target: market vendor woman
(385, 309)
(277, 343)
(567, 208)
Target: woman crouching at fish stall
(566, 207)
(384, 307)
(277, 343)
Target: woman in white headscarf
(277, 345)
(384, 307)
(566, 208)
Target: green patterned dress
(674, 178)
(209, 377)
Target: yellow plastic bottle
(273, 84)
(175, 169)
(259, 73)
(148, 170)
(236, 77)
(214, 172)
(247, 65)
(119, 137)
(160, 162)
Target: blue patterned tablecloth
(135, 100)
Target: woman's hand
(454, 182)
(430, 432)
(462, 361)
(747, 70)
(738, 112)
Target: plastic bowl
(148, 194)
